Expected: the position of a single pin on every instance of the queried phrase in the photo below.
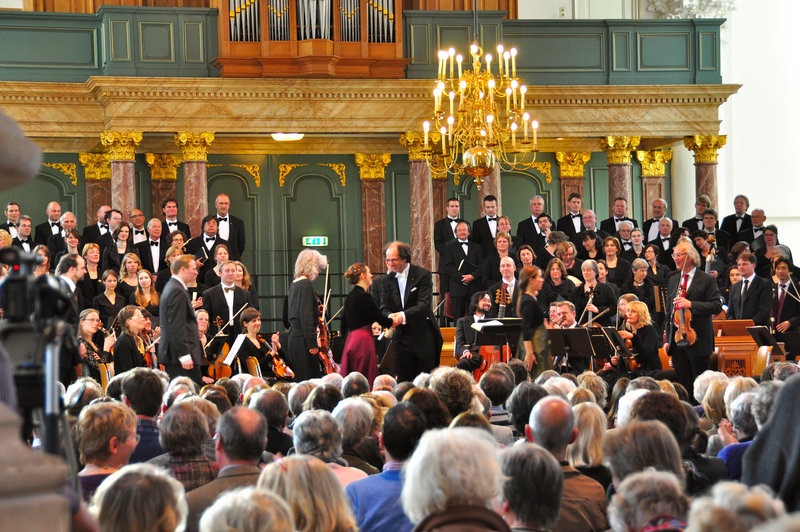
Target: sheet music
(237, 344)
(478, 326)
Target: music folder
(505, 331)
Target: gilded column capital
(121, 145)
(414, 142)
(372, 165)
(705, 147)
(654, 163)
(194, 146)
(163, 166)
(96, 166)
(571, 163)
(619, 148)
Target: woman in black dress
(535, 342)
(656, 272)
(640, 285)
(255, 346)
(89, 336)
(109, 302)
(644, 339)
(129, 275)
(303, 315)
(123, 244)
(360, 312)
(619, 269)
(557, 282)
(129, 348)
(92, 282)
(72, 240)
(145, 295)
(567, 253)
(212, 276)
(490, 268)
(593, 296)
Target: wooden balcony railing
(310, 38)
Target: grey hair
(422, 380)
(316, 432)
(451, 466)
(248, 509)
(638, 264)
(559, 386)
(183, 430)
(309, 263)
(591, 264)
(333, 378)
(625, 406)
(703, 381)
(734, 506)
(742, 419)
(764, 399)
(354, 417)
(737, 386)
(384, 382)
(272, 405)
(627, 222)
(297, 396)
(644, 496)
(354, 384)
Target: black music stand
(504, 331)
(575, 343)
(763, 337)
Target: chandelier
(479, 118)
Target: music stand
(574, 342)
(763, 337)
(505, 331)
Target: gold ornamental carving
(253, 169)
(619, 148)
(163, 166)
(96, 166)
(571, 163)
(283, 171)
(339, 169)
(194, 146)
(372, 165)
(68, 169)
(705, 147)
(544, 169)
(414, 142)
(121, 145)
(654, 163)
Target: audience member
(142, 390)
(648, 500)
(316, 433)
(532, 487)
(734, 507)
(248, 509)
(274, 407)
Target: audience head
(596, 385)
(663, 407)
(354, 384)
(183, 430)
(316, 432)
(742, 419)
(248, 509)
(272, 405)
(298, 395)
(520, 404)
(454, 387)
(324, 396)
(354, 417)
(532, 486)
(241, 436)
(590, 424)
(764, 400)
(107, 434)
(497, 384)
(640, 445)
(734, 507)
(644, 497)
(384, 382)
(403, 426)
(436, 413)
(142, 390)
(333, 378)
(552, 425)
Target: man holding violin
(694, 300)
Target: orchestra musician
(644, 338)
(467, 352)
(592, 297)
(255, 346)
(786, 304)
(303, 314)
(129, 347)
(360, 312)
(109, 302)
(89, 333)
(201, 317)
(534, 334)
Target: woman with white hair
(303, 315)
(451, 481)
(248, 509)
(316, 432)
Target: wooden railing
(310, 38)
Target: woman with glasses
(129, 348)
(89, 336)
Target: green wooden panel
(668, 51)
(560, 52)
(517, 190)
(595, 195)
(193, 42)
(458, 37)
(156, 42)
(420, 44)
(707, 51)
(120, 40)
(48, 47)
(621, 52)
(490, 36)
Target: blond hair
(100, 422)
(587, 449)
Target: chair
(253, 367)
(447, 356)
(106, 374)
(662, 355)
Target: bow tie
(665, 239)
(210, 238)
(575, 215)
(23, 240)
(491, 219)
(618, 219)
(12, 224)
(626, 242)
(154, 242)
(172, 223)
(463, 241)
(138, 231)
(228, 289)
(55, 224)
(222, 219)
(740, 217)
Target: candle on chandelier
(426, 127)
(513, 62)
(523, 90)
(452, 96)
(508, 100)
(525, 118)
(499, 56)
(443, 131)
(535, 126)
(490, 84)
(505, 58)
(450, 121)
(459, 59)
(489, 63)
(514, 85)
(452, 53)
(489, 120)
(462, 86)
(514, 135)
(436, 93)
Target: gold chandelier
(480, 117)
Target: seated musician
(592, 297)
(256, 346)
(468, 354)
(621, 319)
(644, 338)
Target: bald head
(242, 436)
(551, 425)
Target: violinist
(303, 314)
(360, 312)
(592, 297)
(644, 339)
(201, 316)
(149, 336)
(89, 336)
(254, 346)
(693, 299)
(620, 320)
(712, 259)
(129, 347)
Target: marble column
(372, 169)
(654, 174)
(121, 148)
(705, 148)
(491, 187)
(421, 194)
(97, 171)
(570, 169)
(618, 150)
(194, 154)
(439, 195)
(163, 178)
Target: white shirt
(653, 232)
(139, 237)
(229, 299)
(54, 229)
(172, 225)
(103, 228)
(224, 228)
(690, 273)
(69, 282)
(209, 243)
(402, 279)
(492, 225)
(576, 221)
(453, 224)
(155, 253)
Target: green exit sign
(315, 241)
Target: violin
(279, 366)
(325, 354)
(218, 370)
(684, 335)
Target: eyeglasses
(674, 254)
(93, 320)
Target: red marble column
(705, 178)
(706, 148)
(421, 195)
(194, 153)
(121, 154)
(97, 172)
(491, 187)
(619, 182)
(372, 168)
(570, 171)
(618, 150)
(654, 170)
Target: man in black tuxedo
(484, 229)
(664, 241)
(589, 221)
(113, 220)
(23, 240)
(619, 214)
(461, 261)
(179, 348)
(70, 270)
(739, 221)
(722, 238)
(507, 269)
(785, 308)
(224, 301)
(229, 227)
(406, 295)
(546, 225)
(466, 351)
(751, 297)
(46, 229)
(203, 246)
(153, 250)
(701, 204)
(754, 235)
(56, 243)
(139, 232)
(696, 291)
(650, 226)
(444, 230)
(171, 223)
(92, 233)
(12, 213)
(528, 229)
(571, 223)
